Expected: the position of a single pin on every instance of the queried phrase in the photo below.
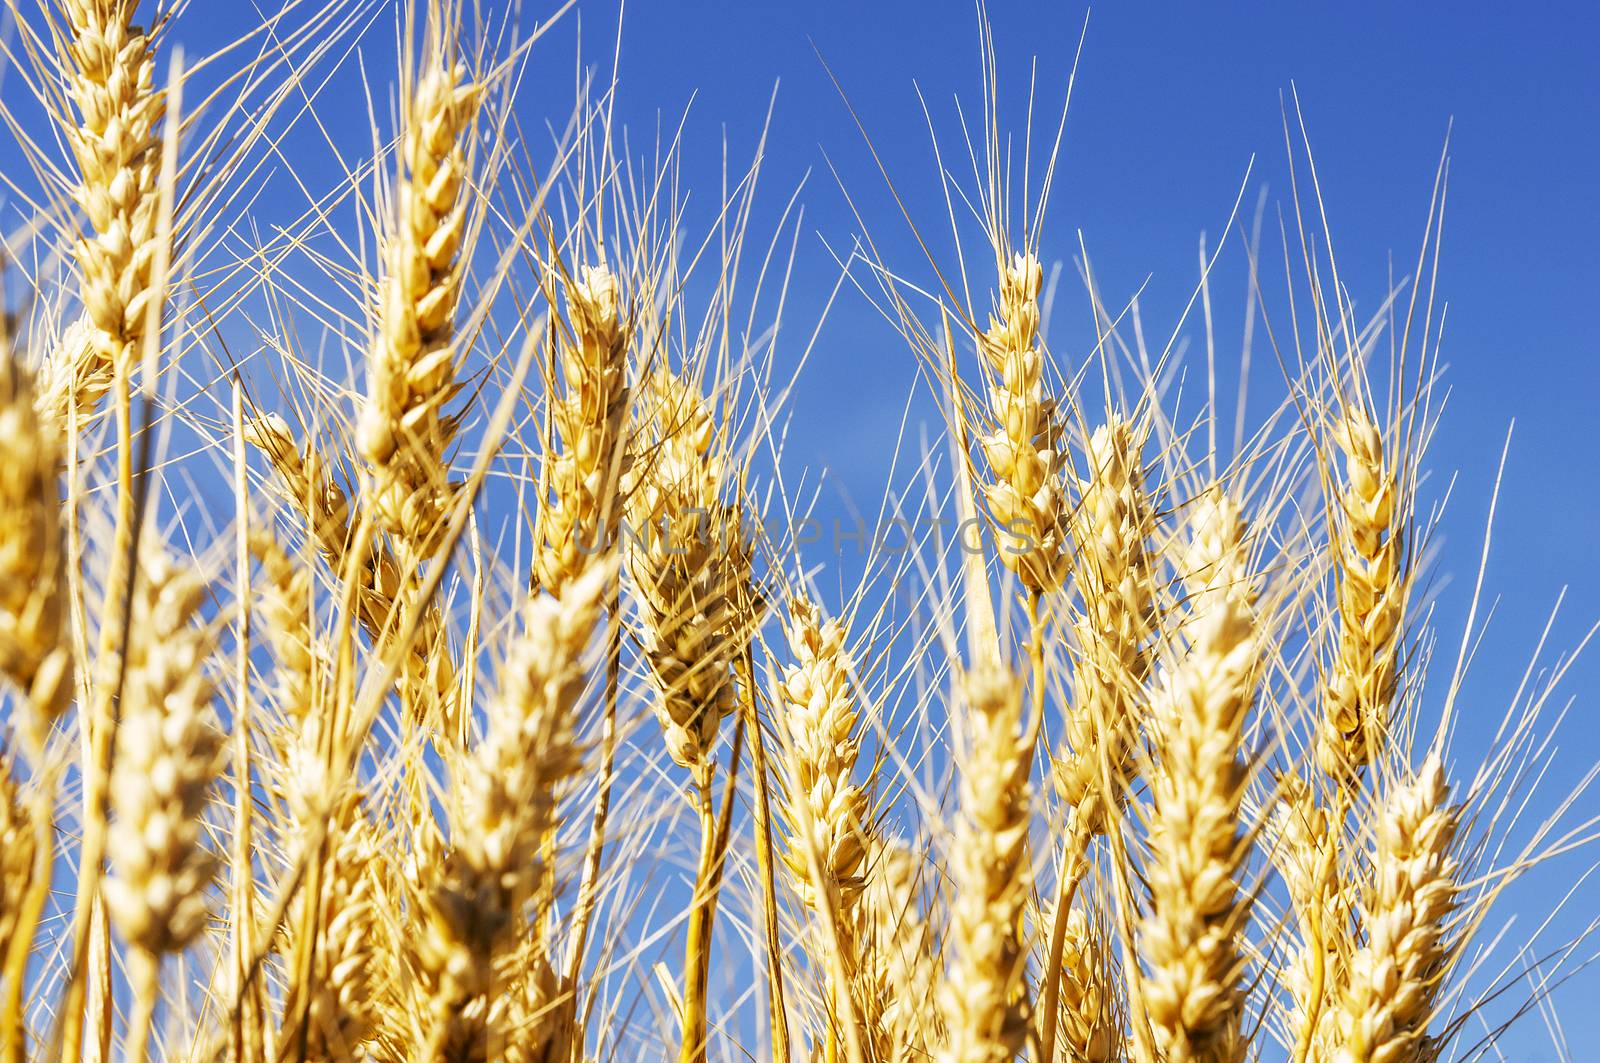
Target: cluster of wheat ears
(408, 653)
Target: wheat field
(421, 639)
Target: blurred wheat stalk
(409, 713)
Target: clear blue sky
(1172, 101)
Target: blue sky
(1172, 102)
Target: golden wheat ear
(1112, 624)
(508, 790)
(1394, 979)
(1372, 566)
(35, 654)
(1191, 938)
(1026, 488)
(827, 811)
(110, 68)
(589, 419)
(987, 1012)
(403, 432)
(899, 964)
(168, 753)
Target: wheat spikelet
(1394, 979)
(589, 419)
(1193, 991)
(109, 67)
(72, 377)
(34, 653)
(508, 794)
(1112, 626)
(1372, 586)
(403, 432)
(984, 995)
(1025, 491)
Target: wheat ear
(985, 993)
(826, 810)
(110, 75)
(1025, 490)
(285, 609)
(1193, 991)
(167, 757)
(1306, 852)
(1090, 1029)
(1394, 979)
(589, 418)
(1373, 581)
(308, 486)
(691, 570)
(508, 790)
(73, 378)
(27, 850)
(898, 958)
(36, 657)
(1112, 624)
(341, 1002)
(34, 650)
(16, 853)
(403, 432)
(333, 1012)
